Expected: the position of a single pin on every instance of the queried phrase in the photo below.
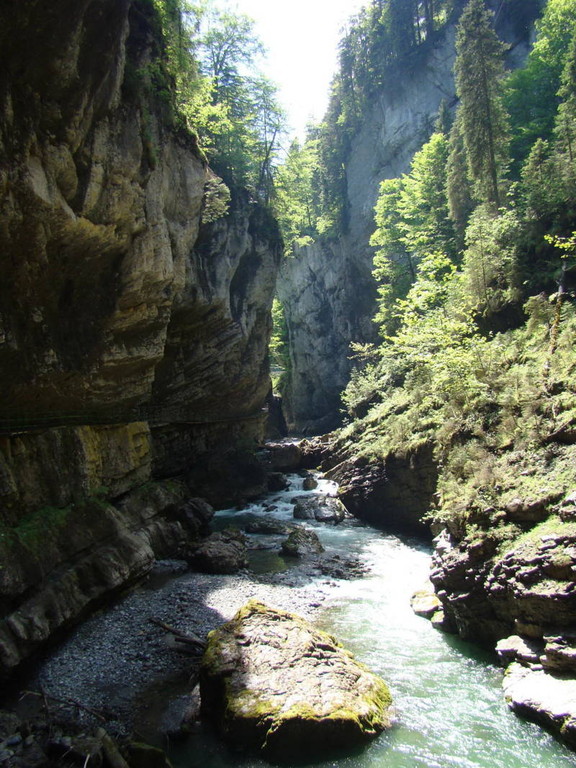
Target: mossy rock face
(271, 681)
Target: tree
(458, 187)
(412, 222)
(236, 112)
(479, 75)
(531, 91)
(296, 200)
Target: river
(447, 693)
(450, 711)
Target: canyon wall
(133, 336)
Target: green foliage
(279, 348)
(296, 202)
(206, 76)
(530, 96)
(490, 259)
(412, 222)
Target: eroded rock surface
(539, 696)
(271, 681)
(225, 552)
(133, 321)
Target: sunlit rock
(273, 682)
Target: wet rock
(310, 483)
(425, 602)
(342, 567)
(301, 542)
(394, 493)
(271, 681)
(277, 481)
(224, 552)
(539, 696)
(284, 457)
(323, 509)
(516, 648)
(146, 756)
(267, 525)
(195, 515)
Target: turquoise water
(450, 712)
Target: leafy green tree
(530, 92)
(479, 76)
(490, 259)
(412, 222)
(236, 112)
(296, 201)
(458, 186)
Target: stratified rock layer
(272, 681)
(133, 336)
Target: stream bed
(450, 710)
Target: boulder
(323, 509)
(538, 696)
(195, 515)
(302, 542)
(267, 525)
(284, 457)
(273, 682)
(425, 602)
(310, 483)
(560, 652)
(224, 552)
(517, 648)
(276, 481)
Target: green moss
(33, 530)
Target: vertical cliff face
(123, 320)
(327, 289)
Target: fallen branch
(179, 636)
(71, 702)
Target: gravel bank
(121, 664)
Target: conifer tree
(457, 184)
(479, 73)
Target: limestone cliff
(132, 337)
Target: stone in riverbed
(267, 525)
(539, 696)
(271, 681)
(322, 509)
(224, 552)
(302, 542)
(425, 602)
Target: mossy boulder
(273, 682)
(301, 542)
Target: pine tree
(479, 73)
(457, 184)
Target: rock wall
(133, 338)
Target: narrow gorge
(182, 289)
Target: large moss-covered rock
(272, 681)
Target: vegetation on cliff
(209, 72)
(475, 264)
